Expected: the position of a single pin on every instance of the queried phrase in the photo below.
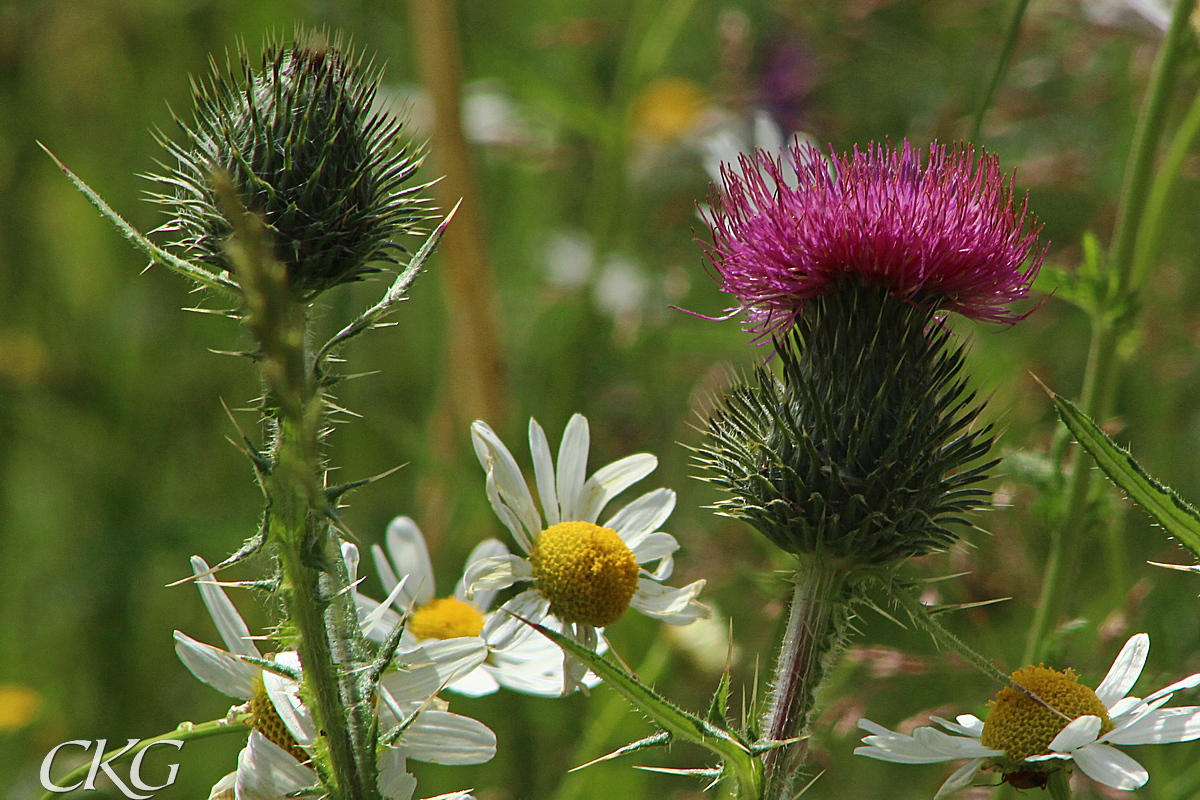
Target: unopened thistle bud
(304, 148)
(864, 448)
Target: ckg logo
(105, 765)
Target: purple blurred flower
(943, 234)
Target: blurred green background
(590, 124)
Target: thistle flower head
(305, 149)
(864, 447)
(943, 232)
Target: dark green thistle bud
(304, 148)
(863, 449)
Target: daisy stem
(185, 732)
(318, 605)
(1059, 786)
(1111, 321)
(817, 621)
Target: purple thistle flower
(942, 234)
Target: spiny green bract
(305, 149)
(863, 450)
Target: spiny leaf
(1172, 512)
(726, 744)
(157, 255)
(654, 740)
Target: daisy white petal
(225, 672)
(1190, 682)
(1125, 670)
(672, 606)
(1132, 719)
(1110, 766)
(395, 782)
(497, 572)
(546, 682)
(574, 670)
(960, 727)
(655, 547)
(506, 628)
(572, 467)
(476, 683)
(900, 750)
(482, 600)
(350, 559)
(225, 788)
(643, 516)
(431, 666)
(543, 470)
(875, 728)
(285, 696)
(225, 616)
(609, 481)
(506, 514)
(440, 737)
(953, 747)
(410, 556)
(960, 779)
(1078, 732)
(268, 772)
(1123, 707)
(510, 484)
(1179, 724)
(925, 746)
(378, 621)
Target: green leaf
(1161, 502)
(659, 739)
(718, 710)
(157, 255)
(727, 745)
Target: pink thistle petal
(943, 232)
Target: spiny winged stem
(817, 624)
(314, 585)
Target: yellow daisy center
(266, 720)
(445, 618)
(586, 572)
(1023, 728)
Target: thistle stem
(314, 580)
(1110, 322)
(816, 624)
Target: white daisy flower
(519, 658)
(587, 575)
(274, 763)
(268, 772)
(432, 733)
(1027, 742)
